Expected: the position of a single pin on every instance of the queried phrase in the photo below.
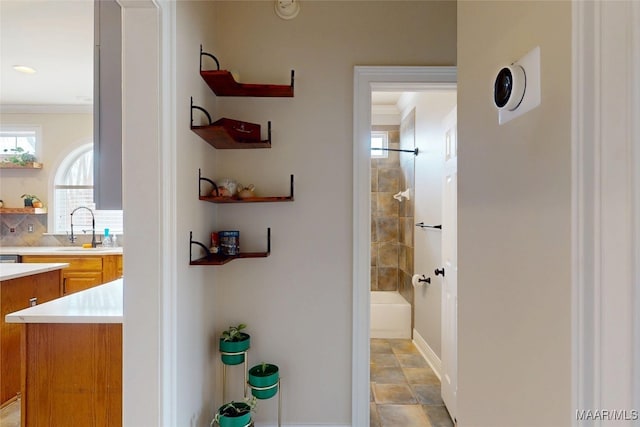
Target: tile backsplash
(31, 229)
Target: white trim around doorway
(367, 79)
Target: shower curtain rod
(415, 152)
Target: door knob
(440, 271)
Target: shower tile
(374, 254)
(393, 136)
(386, 204)
(389, 179)
(410, 269)
(388, 255)
(402, 258)
(374, 278)
(387, 229)
(374, 204)
(387, 279)
(374, 229)
(406, 231)
(374, 177)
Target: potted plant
(263, 379)
(235, 414)
(234, 341)
(31, 200)
(19, 156)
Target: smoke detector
(287, 9)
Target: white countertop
(58, 250)
(15, 271)
(101, 304)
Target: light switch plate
(531, 64)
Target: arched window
(73, 187)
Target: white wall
(298, 301)
(431, 108)
(61, 133)
(514, 221)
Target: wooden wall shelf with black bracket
(226, 200)
(219, 259)
(230, 134)
(23, 211)
(222, 83)
(30, 165)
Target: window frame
(13, 128)
(383, 152)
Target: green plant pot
(234, 421)
(257, 378)
(234, 347)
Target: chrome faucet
(93, 226)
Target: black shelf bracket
(195, 242)
(200, 179)
(203, 53)
(196, 107)
(423, 225)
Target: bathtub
(390, 315)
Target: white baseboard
(429, 355)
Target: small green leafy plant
(235, 409)
(29, 199)
(234, 333)
(19, 156)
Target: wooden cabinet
(84, 271)
(17, 294)
(73, 374)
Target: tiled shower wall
(391, 221)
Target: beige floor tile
(384, 360)
(10, 415)
(380, 346)
(374, 420)
(420, 376)
(412, 361)
(428, 394)
(403, 416)
(393, 393)
(438, 416)
(384, 375)
(401, 346)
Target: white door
(450, 265)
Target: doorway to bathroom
(388, 247)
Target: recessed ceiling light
(24, 69)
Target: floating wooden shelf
(230, 134)
(222, 83)
(223, 200)
(31, 165)
(218, 259)
(23, 211)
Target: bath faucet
(93, 226)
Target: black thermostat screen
(503, 87)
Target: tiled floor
(10, 415)
(404, 390)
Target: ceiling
(385, 98)
(55, 37)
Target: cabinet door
(75, 281)
(17, 294)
